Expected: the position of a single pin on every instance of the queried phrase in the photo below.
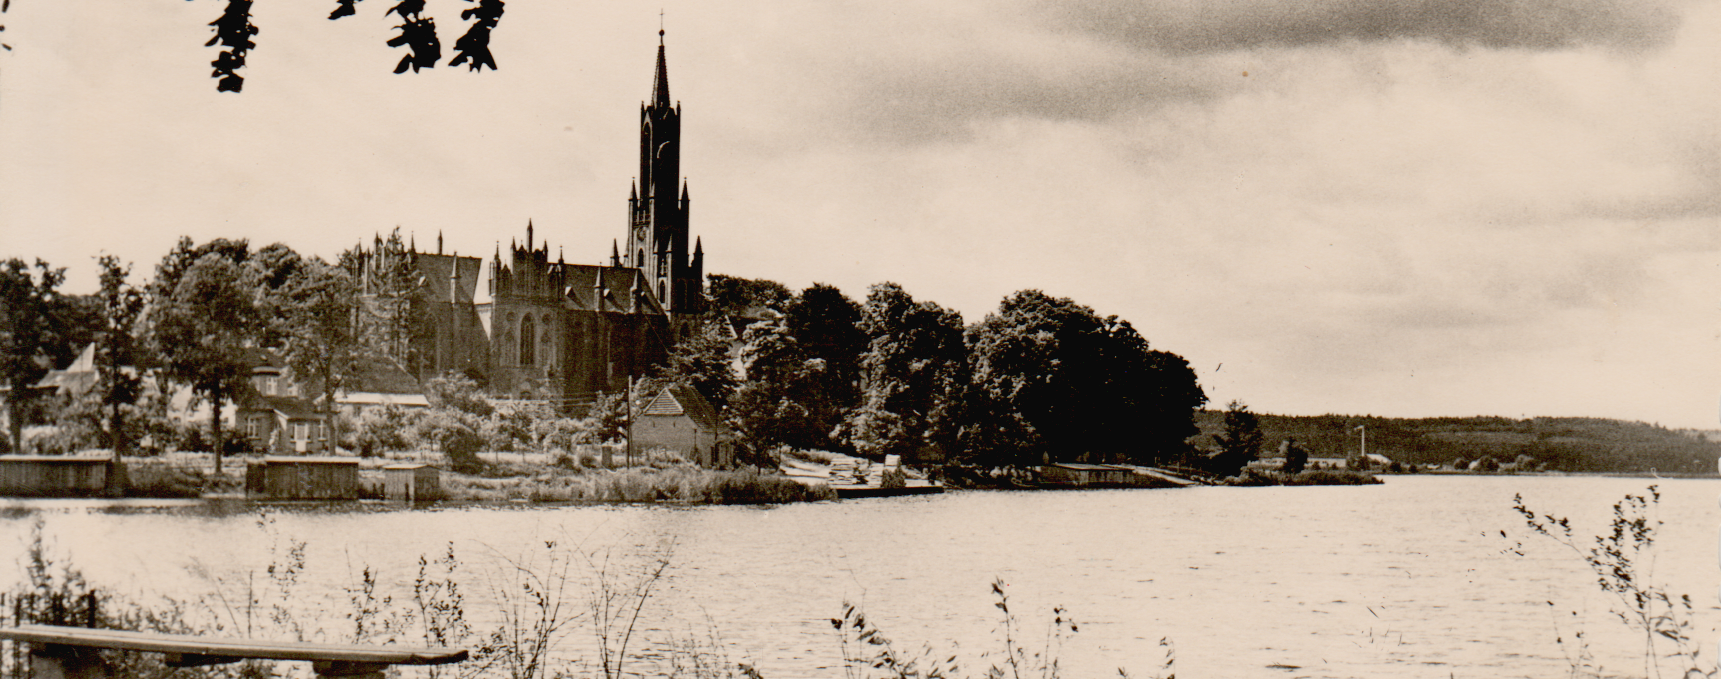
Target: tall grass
(688, 484)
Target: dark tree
(913, 376)
(27, 331)
(200, 333)
(117, 381)
(1240, 442)
(826, 323)
(1296, 457)
(701, 361)
(732, 296)
(1053, 380)
(779, 394)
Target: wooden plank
(230, 648)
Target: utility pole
(630, 420)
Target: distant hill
(1575, 444)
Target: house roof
(77, 378)
(292, 407)
(678, 400)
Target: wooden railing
(59, 652)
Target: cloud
(1223, 25)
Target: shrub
(385, 429)
(453, 433)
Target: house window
(300, 431)
(266, 385)
(528, 343)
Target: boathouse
(58, 475)
(412, 482)
(303, 478)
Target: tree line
(196, 324)
(1039, 379)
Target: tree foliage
(733, 296)
(701, 361)
(27, 328)
(913, 376)
(117, 380)
(317, 303)
(1053, 378)
(201, 332)
(1241, 441)
(826, 324)
(780, 393)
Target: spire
(615, 254)
(683, 190)
(633, 190)
(698, 246)
(660, 88)
(529, 245)
(439, 241)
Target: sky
(1405, 208)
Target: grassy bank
(688, 484)
(1311, 477)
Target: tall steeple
(657, 238)
(660, 87)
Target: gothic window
(527, 336)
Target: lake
(1411, 578)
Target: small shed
(57, 475)
(1086, 475)
(304, 478)
(681, 420)
(412, 482)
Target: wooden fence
(83, 610)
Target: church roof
(618, 285)
(436, 271)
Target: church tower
(657, 205)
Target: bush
(453, 432)
(506, 432)
(384, 429)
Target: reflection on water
(1408, 579)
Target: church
(526, 327)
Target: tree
(116, 381)
(1240, 442)
(1054, 380)
(826, 323)
(202, 331)
(701, 361)
(317, 302)
(913, 376)
(27, 306)
(184, 254)
(1296, 457)
(732, 296)
(775, 402)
